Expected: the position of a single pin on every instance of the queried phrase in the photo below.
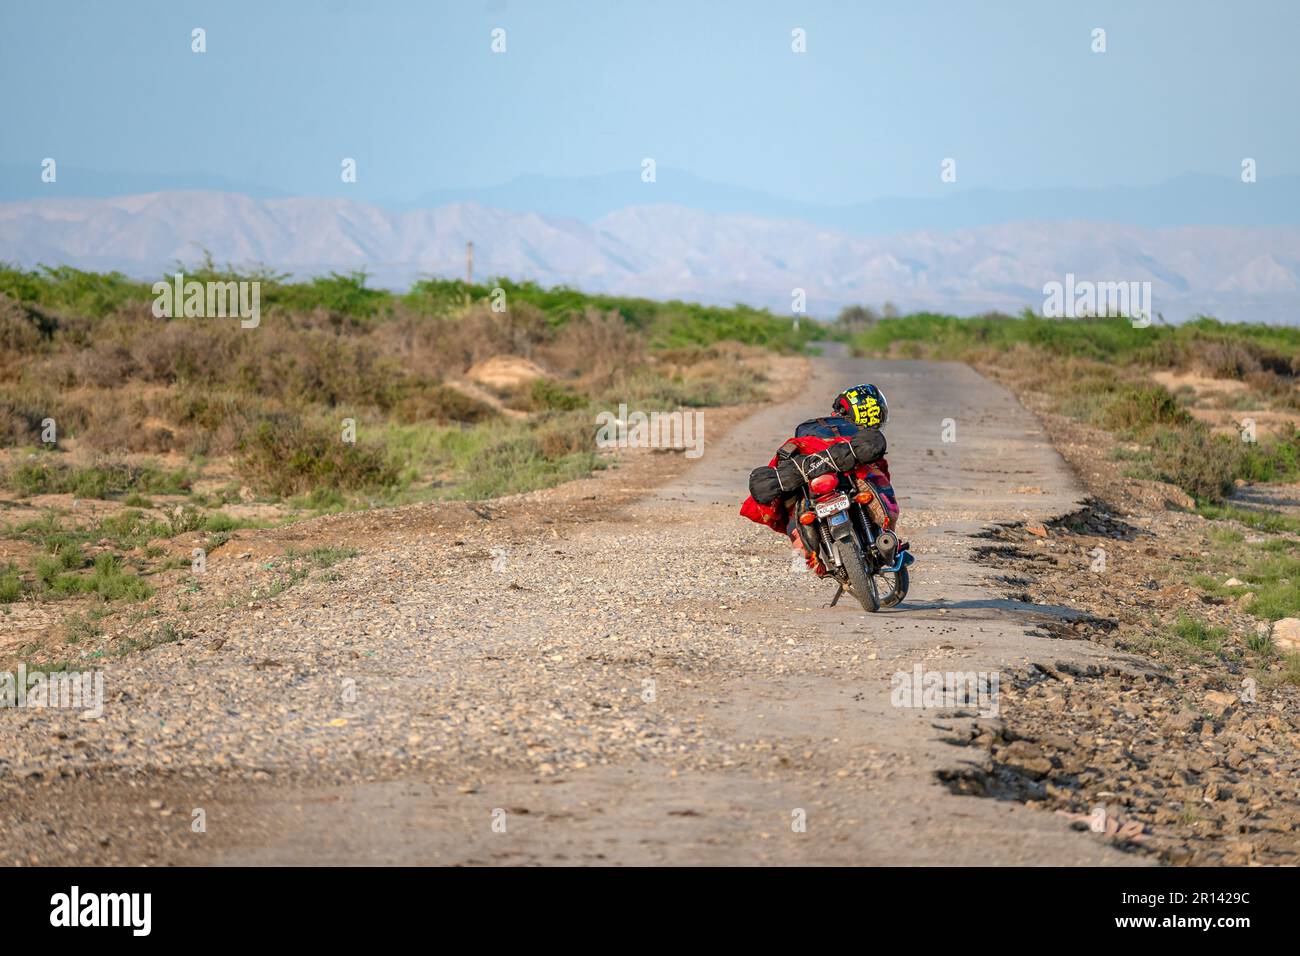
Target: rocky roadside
(1197, 760)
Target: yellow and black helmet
(862, 405)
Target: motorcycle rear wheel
(860, 582)
(895, 597)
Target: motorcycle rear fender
(842, 531)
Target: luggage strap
(808, 463)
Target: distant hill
(668, 250)
(1193, 199)
(1188, 200)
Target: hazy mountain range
(1186, 200)
(671, 250)
(1190, 199)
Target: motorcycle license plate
(832, 505)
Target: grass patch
(12, 587)
(45, 475)
(107, 579)
(322, 557)
(526, 462)
(1272, 522)
(1275, 579)
(166, 633)
(1197, 635)
(1269, 570)
(296, 566)
(80, 628)
(1260, 643)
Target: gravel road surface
(634, 679)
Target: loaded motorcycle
(837, 511)
(836, 523)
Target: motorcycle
(836, 524)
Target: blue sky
(1011, 90)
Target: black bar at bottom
(335, 906)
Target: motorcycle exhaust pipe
(887, 544)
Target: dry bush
(438, 348)
(21, 412)
(1283, 390)
(113, 420)
(284, 455)
(440, 403)
(1237, 359)
(198, 351)
(600, 348)
(104, 365)
(317, 367)
(20, 329)
(566, 435)
(212, 421)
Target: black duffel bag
(768, 484)
(842, 456)
(815, 465)
(863, 448)
(764, 486)
(868, 445)
(787, 473)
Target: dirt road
(651, 682)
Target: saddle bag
(868, 445)
(788, 475)
(843, 456)
(814, 466)
(768, 484)
(792, 471)
(764, 486)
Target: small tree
(855, 317)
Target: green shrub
(1140, 406)
(11, 583)
(520, 463)
(1202, 464)
(441, 403)
(110, 582)
(286, 457)
(47, 475)
(130, 529)
(548, 395)
(73, 291)
(1198, 634)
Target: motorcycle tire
(901, 583)
(860, 582)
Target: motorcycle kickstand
(839, 591)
